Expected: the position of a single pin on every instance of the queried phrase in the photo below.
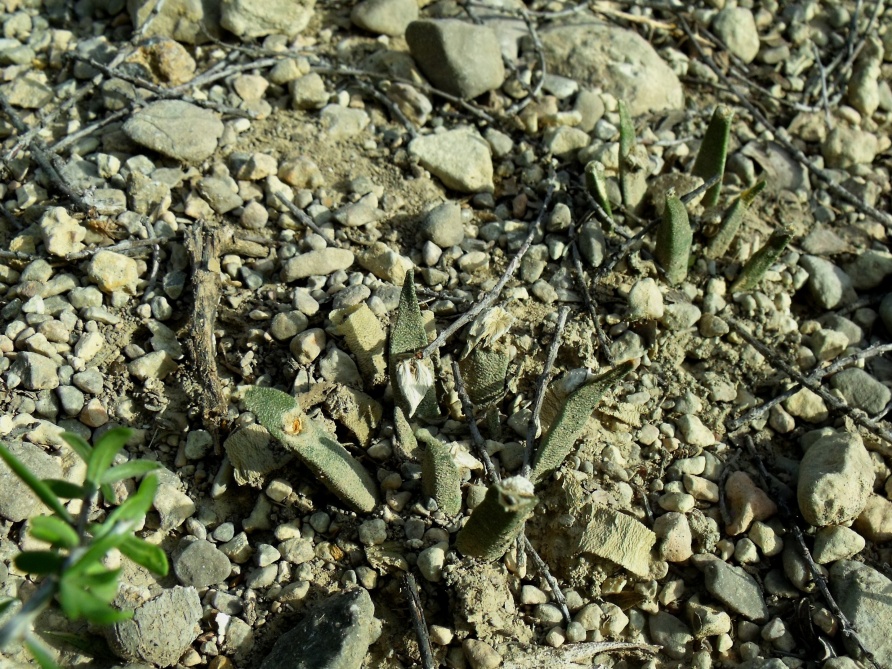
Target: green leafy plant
(731, 221)
(71, 567)
(498, 520)
(674, 239)
(761, 260)
(713, 153)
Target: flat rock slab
(460, 159)
(735, 589)
(334, 635)
(176, 129)
(248, 18)
(864, 595)
(617, 60)
(619, 538)
(17, 502)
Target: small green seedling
(761, 260)
(497, 522)
(633, 162)
(596, 185)
(407, 336)
(440, 478)
(731, 221)
(71, 567)
(281, 414)
(713, 153)
(570, 422)
(674, 239)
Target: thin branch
(305, 218)
(410, 589)
(792, 520)
(823, 75)
(590, 302)
(496, 290)
(539, 50)
(556, 591)
(541, 385)
(468, 409)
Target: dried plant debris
(427, 250)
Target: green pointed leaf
(55, 531)
(713, 151)
(101, 582)
(761, 260)
(145, 554)
(39, 562)
(440, 477)
(596, 185)
(65, 489)
(129, 470)
(6, 603)
(40, 488)
(626, 131)
(79, 445)
(674, 239)
(40, 653)
(78, 603)
(104, 452)
(134, 508)
(570, 422)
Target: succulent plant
(498, 520)
(761, 260)
(281, 414)
(440, 478)
(713, 152)
(733, 217)
(674, 239)
(633, 162)
(484, 372)
(596, 185)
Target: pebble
(443, 226)
(343, 122)
(246, 19)
(385, 17)
(676, 539)
(861, 391)
(481, 655)
(37, 372)
(864, 595)
(316, 263)
(845, 147)
(766, 539)
(747, 503)
(287, 324)
(173, 506)
(694, 431)
(869, 269)
(835, 478)
(875, 521)
(308, 345)
(459, 158)
(237, 549)
(827, 344)
(385, 263)
(431, 560)
(735, 588)
(221, 194)
(308, 92)
(200, 564)
(458, 57)
(836, 543)
(335, 633)
(645, 301)
(61, 233)
(177, 129)
(564, 141)
(154, 365)
(671, 634)
(806, 405)
(736, 27)
(113, 272)
(143, 639)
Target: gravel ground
(231, 195)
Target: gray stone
(247, 18)
(442, 225)
(835, 478)
(458, 57)
(173, 506)
(17, 502)
(161, 629)
(386, 17)
(200, 564)
(736, 589)
(219, 194)
(827, 283)
(846, 147)
(869, 268)
(736, 27)
(154, 365)
(316, 263)
(343, 122)
(308, 92)
(864, 595)
(36, 371)
(592, 244)
(836, 543)
(459, 158)
(333, 635)
(671, 634)
(287, 324)
(176, 129)
(619, 61)
(861, 390)
(185, 21)
(71, 399)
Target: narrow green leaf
(39, 562)
(137, 505)
(54, 530)
(79, 445)
(40, 488)
(108, 493)
(626, 131)
(104, 452)
(148, 555)
(497, 521)
(5, 604)
(40, 653)
(78, 603)
(570, 422)
(674, 239)
(596, 184)
(113, 535)
(713, 151)
(129, 470)
(65, 489)
(101, 582)
(761, 260)
(440, 477)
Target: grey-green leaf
(497, 521)
(440, 477)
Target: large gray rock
(458, 57)
(827, 283)
(386, 17)
(161, 629)
(835, 478)
(36, 371)
(736, 589)
(248, 18)
(189, 21)
(459, 158)
(864, 595)
(17, 502)
(334, 635)
(861, 390)
(736, 27)
(176, 129)
(198, 563)
(598, 54)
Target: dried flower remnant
(415, 379)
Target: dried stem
(541, 386)
(468, 410)
(410, 588)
